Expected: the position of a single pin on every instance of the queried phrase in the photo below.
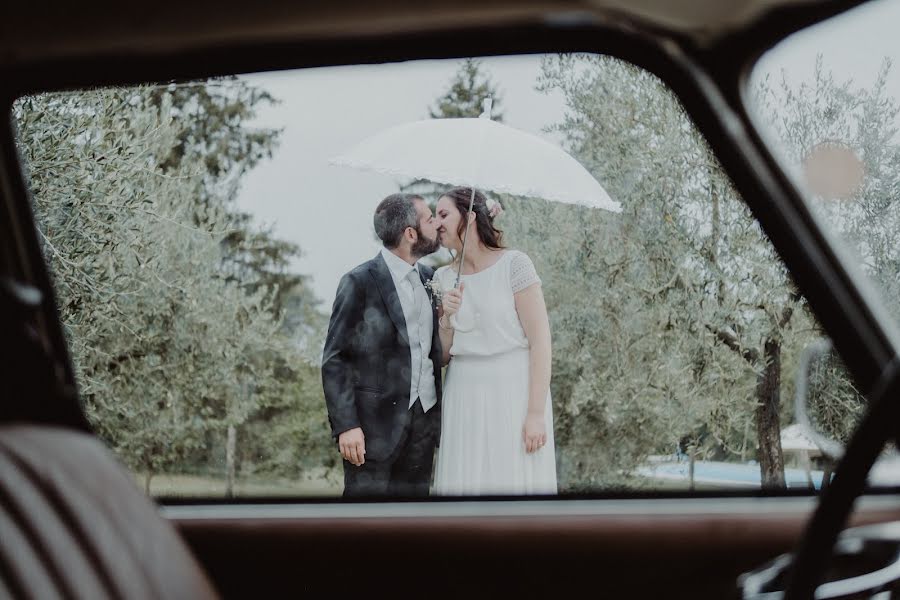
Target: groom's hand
(353, 446)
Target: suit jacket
(366, 365)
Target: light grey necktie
(421, 304)
(415, 283)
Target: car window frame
(710, 82)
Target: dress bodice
(488, 321)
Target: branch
(730, 339)
(655, 292)
(165, 218)
(786, 314)
(665, 287)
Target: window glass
(828, 105)
(236, 322)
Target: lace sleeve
(522, 273)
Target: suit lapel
(388, 291)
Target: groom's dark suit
(366, 372)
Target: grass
(321, 484)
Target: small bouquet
(436, 291)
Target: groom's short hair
(393, 215)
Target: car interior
(75, 523)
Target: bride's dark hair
(489, 235)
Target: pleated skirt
(482, 451)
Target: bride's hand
(534, 432)
(451, 301)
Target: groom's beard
(423, 246)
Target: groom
(381, 363)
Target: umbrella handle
(462, 253)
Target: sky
(327, 210)
(853, 46)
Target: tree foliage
(827, 112)
(675, 322)
(669, 319)
(174, 305)
(465, 96)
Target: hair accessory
(494, 208)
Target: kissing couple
(396, 322)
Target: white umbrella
(479, 153)
(797, 437)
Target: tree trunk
(691, 470)
(147, 477)
(744, 441)
(229, 461)
(768, 428)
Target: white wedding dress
(485, 398)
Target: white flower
(437, 292)
(494, 207)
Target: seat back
(74, 524)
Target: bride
(497, 424)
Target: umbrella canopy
(479, 153)
(796, 437)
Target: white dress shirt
(419, 327)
